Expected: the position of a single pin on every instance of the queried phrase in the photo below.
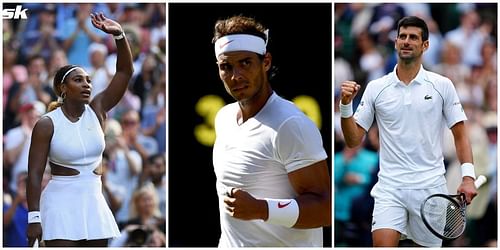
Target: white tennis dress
(73, 207)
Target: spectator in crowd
(123, 168)
(135, 140)
(34, 88)
(15, 215)
(114, 194)
(14, 75)
(452, 67)
(371, 61)
(354, 168)
(44, 39)
(57, 60)
(18, 140)
(78, 34)
(146, 220)
(153, 173)
(98, 70)
(470, 36)
(145, 209)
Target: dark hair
(57, 83)
(413, 21)
(35, 57)
(153, 157)
(243, 25)
(238, 25)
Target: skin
(77, 87)
(244, 76)
(410, 48)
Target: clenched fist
(349, 90)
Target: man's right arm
(353, 133)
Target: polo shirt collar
(420, 78)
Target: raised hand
(349, 91)
(105, 24)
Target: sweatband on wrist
(34, 217)
(240, 42)
(119, 37)
(468, 170)
(346, 110)
(283, 212)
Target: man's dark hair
(413, 21)
(238, 25)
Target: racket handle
(480, 181)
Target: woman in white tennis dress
(71, 210)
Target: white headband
(239, 42)
(69, 71)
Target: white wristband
(119, 37)
(346, 110)
(34, 217)
(468, 170)
(283, 212)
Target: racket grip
(480, 181)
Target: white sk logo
(17, 13)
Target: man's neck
(251, 107)
(407, 71)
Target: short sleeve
(452, 108)
(365, 112)
(299, 143)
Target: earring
(61, 98)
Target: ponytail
(53, 105)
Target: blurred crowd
(134, 160)
(463, 47)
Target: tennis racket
(444, 215)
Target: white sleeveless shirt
(78, 145)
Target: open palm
(105, 24)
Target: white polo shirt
(257, 156)
(410, 119)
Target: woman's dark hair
(413, 21)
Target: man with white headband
(272, 177)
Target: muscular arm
(39, 150)
(108, 98)
(462, 144)
(313, 186)
(353, 133)
(464, 154)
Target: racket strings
(455, 222)
(445, 217)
